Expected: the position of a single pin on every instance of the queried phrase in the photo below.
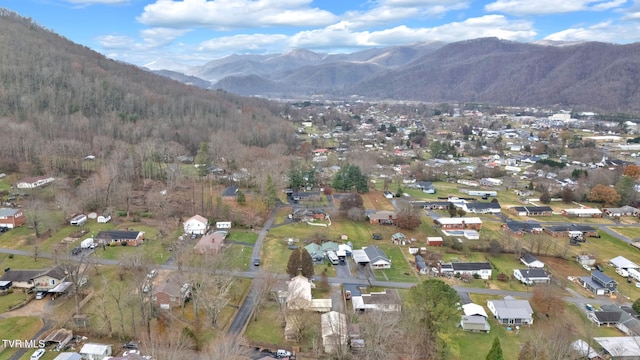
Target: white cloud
(486, 26)
(604, 31)
(156, 37)
(389, 11)
(227, 14)
(113, 42)
(263, 43)
(539, 7)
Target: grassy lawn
(265, 329)
(23, 262)
(10, 299)
(237, 257)
(18, 328)
(630, 232)
(400, 270)
(282, 214)
(244, 236)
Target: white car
(38, 354)
(152, 274)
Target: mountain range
(587, 75)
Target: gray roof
(510, 308)
(375, 253)
(528, 258)
(5, 212)
(118, 235)
(533, 273)
(471, 266)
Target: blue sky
(196, 31)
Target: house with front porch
(532, 276)
(12, 218)
(481, 269)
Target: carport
(360, 257)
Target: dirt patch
(376, 200)
(562, 268)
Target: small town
(512, 225)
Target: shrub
(124, 243)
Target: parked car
(347, 295)
(76, 250)
(152, 274)
(40, 295)
(131, 345)
(282, 353)
(37, 354)
(256, 262)
(376, 236)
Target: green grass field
(18, 328)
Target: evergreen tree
(293, 266)
(496, 351)
(306, 263)
(270, 196)
(240, 198)
(202, 159)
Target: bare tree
(227, 348)
(383, 334)
(263, 286)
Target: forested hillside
(60, 101)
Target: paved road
(246, 309)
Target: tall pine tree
(496, 350)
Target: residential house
(298, 296)
(426, 187)
(388, 300)
(315, 251)
(481, 269)
(434, 241)
(582, 212)
(383, 217)
(34, 182)
(482, 207)
(196, 225)
(170, 293)
(519, 228)
(458, 223)
(621, 262)
(621, 211)
(532, 276)
(531, 261)
(335, 333)
(230, 193)
(93, 351)
(299, 293)
(11, 218)
(619, 347)
(531, 211)
(474, 324)
(21, 279)
(49, 279)
(436, 205)
(571, 230)
(627, 319)
(598, 283)
(511, 311)
(210, 244)
(117, 237)
(377, 258)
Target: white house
(482, 269)
(532, 276)
(335, 334)
(387, 300)
(93, 351)
(196, 225)
(511, 311)
(531, 261)
(377, 258)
